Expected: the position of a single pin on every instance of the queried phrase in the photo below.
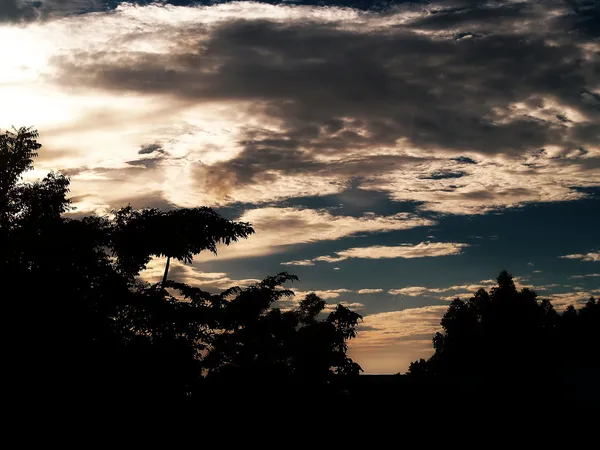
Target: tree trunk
(164, 280)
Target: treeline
(83, 326)
(507, 333)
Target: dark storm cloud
(445, 175)
(472, 14)
(258, 162)
(24, 11)
(335, 88)
(436, 93)
(150, 148)
(464, 160)
(146, 163)
(584, 17)
(18, 11)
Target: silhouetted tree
(82, 324)
(510, 334)
(252, 346)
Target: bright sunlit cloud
(422, 250)
(591, 256)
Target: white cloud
(355, 306)
(422, 250)
(493, 184)
(585, 276)
(326, 294)
(279, 228)
(592, 256)
(369, 291)
(461, 290)
(416, 291)
(190, 274)
(303, 262)
(412, 291)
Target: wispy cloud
(592, 256)
(413, 291)
(390, 340)
(190, 274)
(575, 298)
(422, 250)
(325, 294)
(278, 229)
(354, 306)
(369, 291)
(381, 328)
(588, 275)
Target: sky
(393, 155)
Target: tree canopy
(509, 333)
(85, 325)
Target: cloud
(412, 291)
(369, 291)
(585, 276)
(150, 148)
(259, 103)
(592, 256)
(26, 11)
(461, 290)
(422, 250)
(388, 342)
(355, 306)
(190, 274)
(371, 76)
(304, 262)
(278, 229)
(577, 299)
(325, 294)
(385, 328)
(17, 11)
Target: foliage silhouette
(509, 334)
(86, 328)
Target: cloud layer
(256, 103)
(422, 250)
(279, 229)
(393, 339)
(591, 256)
